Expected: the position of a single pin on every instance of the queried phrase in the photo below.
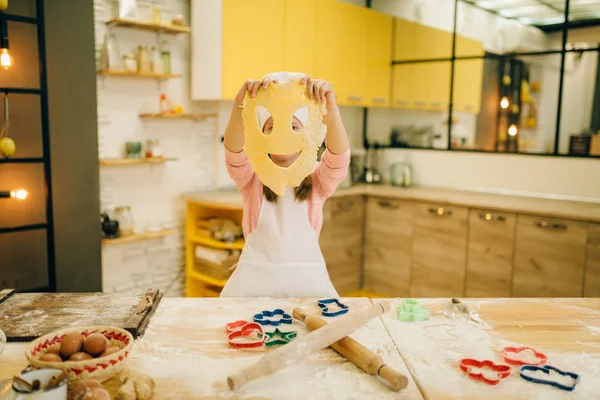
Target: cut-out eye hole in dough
(282, 100)
(262, 118)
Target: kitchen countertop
(569, 209)
(184, 350)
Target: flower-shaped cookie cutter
(278, 337)
(240, 338)
(235, 326)
(412, 310)
(274, 318)
(513, 356)
(485, 371)
(526, 373)
(324, 305)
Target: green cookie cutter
(412, 310)
(277, 337)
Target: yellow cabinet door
(252, 41)
(437, 84)
(353, 71)
(327, 48)
(434, 43)
(379, 58)
(299, 36)
(405, 44)
(404, 85)
(468, 77)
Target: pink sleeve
(330, 172)
(239, 168)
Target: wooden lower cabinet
(592, 263)
(388, 238)
(439, 251)
(549, 257)
(490, 253)
(341, 242)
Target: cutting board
(26, 316)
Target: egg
(80, 356)
(97, 394)
(71, 344)
(51, 357)
(54, 349)
(109, 351)
(95, 344)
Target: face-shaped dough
(282, 100)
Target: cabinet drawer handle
(436, 104)
(543, 224)
(355, 98)
(419, 103)
(490, 217)
(388, 204)
(380, 100)
(345, 205)
(401, 102)
(440, 211)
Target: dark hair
(301, 192)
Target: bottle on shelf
(165, 56)
(129, 63)
(157, 64)
(143, 59)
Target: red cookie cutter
(541, 358)
(235, 326)
(245, 332)
(468, 364)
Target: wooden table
(184, 350)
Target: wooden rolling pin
(362, 357)
(302, 347)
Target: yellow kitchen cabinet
(388, 254)
(379, 58)
(436, 80)
(439, 251)
(422, 86)
(341, 242)
(592, 263)
(549, 257)
(299, 36)
(414, 41)
(404, 90)
(468, 77)
(467, 47)
(328, 50)
(491, 251)
(252, 42)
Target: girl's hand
(251, 86)
(319, 89)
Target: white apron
(282, 257)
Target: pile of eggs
(74, 347)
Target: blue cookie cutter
(266, 317)
(324, 304)
(546, 369)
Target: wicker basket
(102, 368)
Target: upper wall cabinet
(234, 40)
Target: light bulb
(20, 194)
(504, 103)
(512, 130)
(6, 61)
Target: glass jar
(144, 63)
(129, 63)
(125, 218)
(156, 149)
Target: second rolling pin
(362, 357)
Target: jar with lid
(156, 149)
(144, 63)
(125, 218)
(129, 63)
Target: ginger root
(136, 386)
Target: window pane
(25, 124)
(24, 260)
(32, 210)
(24, 8)
(580, 111)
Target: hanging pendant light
(513, 130)
(504, 103)
(19, 194)
(6, 60)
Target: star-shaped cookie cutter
(278, 337)
(475, 369)
(266, 317)
(324, 305)
(510, 356)
(412, 310)
(240, 338)
(547, 369)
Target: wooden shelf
(141, 236)
(206, 279)
(177, 116)
(120, 72)
(217, 244)
(149, 26)
(135, 161)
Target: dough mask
(282, 100)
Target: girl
(282, 257)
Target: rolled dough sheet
(185, 351)
(433, 349)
